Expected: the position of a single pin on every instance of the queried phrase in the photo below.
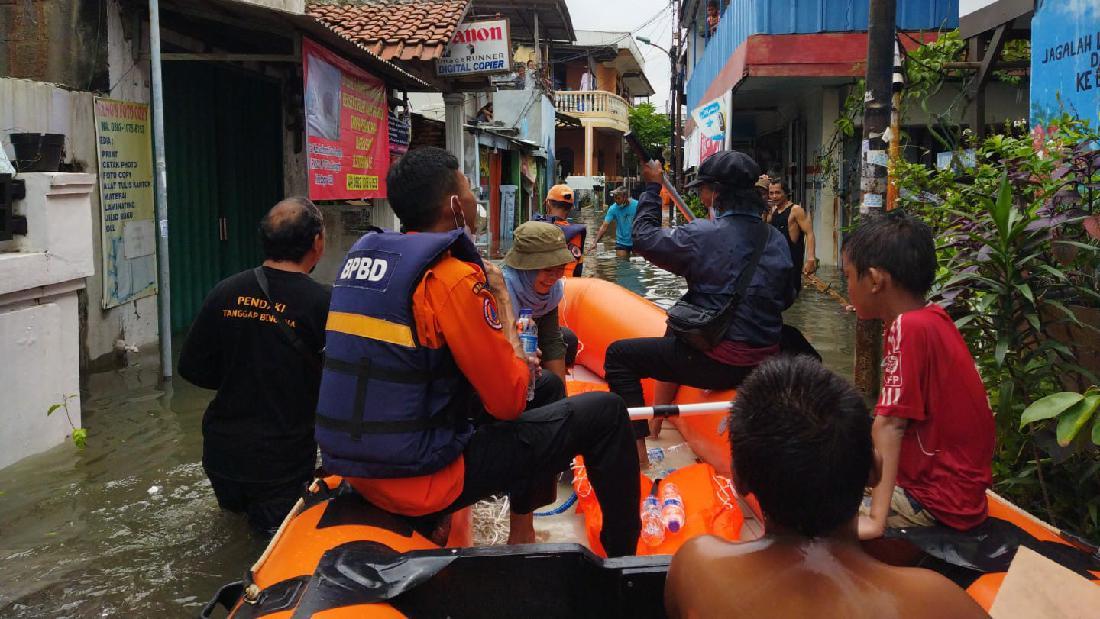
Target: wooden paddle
(826, 288)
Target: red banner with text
(347, 127)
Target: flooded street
(129, 525)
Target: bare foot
(521, 528)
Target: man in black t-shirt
(258, 446)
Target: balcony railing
(595, 104)
(744, 18)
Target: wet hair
(287, 231)
(897, 243)
(801, 442)
(417, 184)
(744, 199)
(782, 185)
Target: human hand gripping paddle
(649, 174)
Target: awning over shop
(271, 25)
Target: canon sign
(473, 35)
(477, 48)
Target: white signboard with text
(711, 118)
(477, 48)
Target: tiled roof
(394, 29)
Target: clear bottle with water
(653, 528)
(672, 507)
(528, 336)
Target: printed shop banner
(347, 127)
(125, 156)
(477, 48)
(711, 118)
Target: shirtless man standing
(801, 439)
(794, 222)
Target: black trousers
(572, 343)
(520, 457)
(666, 359)
(265, 504)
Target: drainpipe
(454, 126)
(160, 180)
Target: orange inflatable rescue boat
(601, 312)
(338, 556)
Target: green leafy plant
(652, 128)
(1072, 411)
(80, 435)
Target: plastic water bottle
(653, 528)
(672, 507)
(656, 454)
(528, 336)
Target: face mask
(460, 219)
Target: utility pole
(874, 160)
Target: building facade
(784, 71)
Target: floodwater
(129, 526)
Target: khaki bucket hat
(538, 245)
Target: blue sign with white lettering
(1065, 61)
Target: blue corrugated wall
(744, 18)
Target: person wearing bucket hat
(559, 202)
(737, 270)
(446, 423)
(533, 270)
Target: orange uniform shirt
(453, 308)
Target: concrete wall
(41, 275)
(42, 107)
(297, 7)
(59, 41)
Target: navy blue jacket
(710, 255)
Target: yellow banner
(124, 148)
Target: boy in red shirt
(933, 427)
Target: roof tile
(389, 28)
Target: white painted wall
(27, 106)
(40, 276)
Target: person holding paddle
(738, 272)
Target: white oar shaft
(678, 410)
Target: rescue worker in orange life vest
(559, 202)
(423, 395)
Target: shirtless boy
(801, 439)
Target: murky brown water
(129, 525)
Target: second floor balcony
(596, 108)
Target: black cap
(728, 167)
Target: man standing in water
(801, 442)
(622, 213)
(258, 341)
(792, 220)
